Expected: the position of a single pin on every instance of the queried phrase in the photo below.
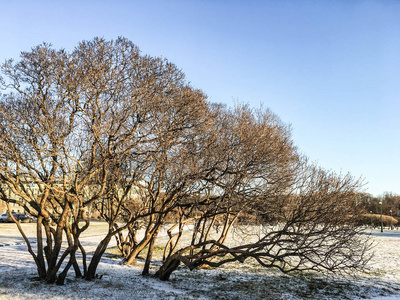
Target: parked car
(3, 218)
(6, 218)
(24, 218)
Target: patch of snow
(233, 281)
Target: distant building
(13, 206)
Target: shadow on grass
(231, 284)
(234, 282)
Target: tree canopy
(105, 127)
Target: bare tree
(285, 213)
(79, 129)
(169, 173)
(37, 121)
(105, 126)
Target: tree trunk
(83, 259)
(149, 255)
(135, 250)
(78, 273)
(53, 266)
(101, 248)
(63, 274)
(41, 265)
(169, 266)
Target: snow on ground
(235, 281)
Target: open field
(235, 281)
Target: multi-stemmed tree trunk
(37, 122)
(314, 228)
(307, 215)
(78, 128)
(104, 126)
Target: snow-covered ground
(235, 281)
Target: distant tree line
(390, 204)
(106, 127)
(387, 205)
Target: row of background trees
(390, 204)
(107, 127)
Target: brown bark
(94, 262)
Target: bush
(375, 219)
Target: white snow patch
(235, 281)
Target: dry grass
(375, 219)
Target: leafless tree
(38, 161)
(79, 129)
(104, 126)
(170, 172)
(150, 117)
(286, 213)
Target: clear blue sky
(330, 68)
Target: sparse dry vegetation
(106, 128)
